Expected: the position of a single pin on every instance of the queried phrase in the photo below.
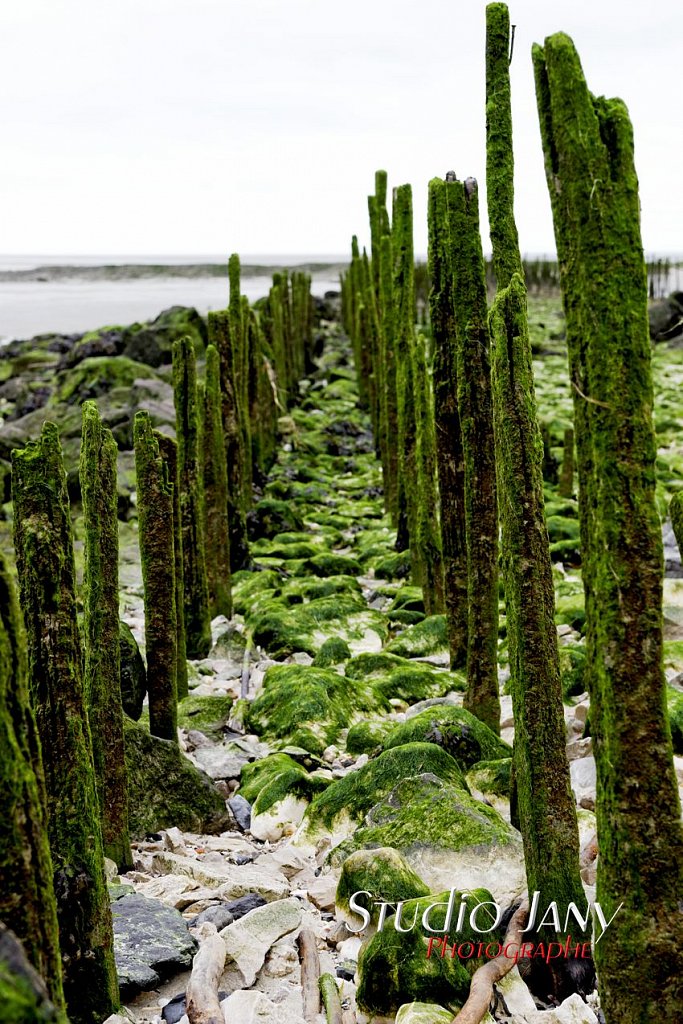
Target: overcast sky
(212, 126)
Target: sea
(81, 298)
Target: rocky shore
(334, 751)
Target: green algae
(357, 792)
(308, 706)
(464, 736)
(427, 637)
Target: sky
(256, 126)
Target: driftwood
(203, 1006)
(330, 994)
(310, 974)
(485, 977)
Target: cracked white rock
(248, 940)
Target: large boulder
(151, 942)
(166, 790)
(308, 707)
(462, 734)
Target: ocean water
(72, 304)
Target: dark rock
(241, 811)
(165, 789)
(133, 673)
(244, 904)
(151, 942)
(666, 318)
(174, 1009)
(220, 916)
(153, 342)
(271, 517)
(347, 970)
(105, 342)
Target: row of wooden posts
(456, 431)
(61, 720)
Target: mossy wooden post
(168, 449)
(475, 412)
(47, 586)
(220, 337)
(404, 340)
(371, 345)
(387, 345)
(196, 602)
(588, 146)
(544, 798)
(428, 537)
(27, 898)
(543, 795)
(566, 485)
(215, 475)
(449, 453)
(155, 535)
(101, 631)
(239, 348)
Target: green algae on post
(449, 456)
(102, 680)
(543, 794)
(593, 191)
(428, 537)
(156, 538)
(404, 339)
(475, 413)
(196, 596)
(220, 337)
(543, 799)
(215, 480)
(27, 898)
(47, 585)
(168, 449)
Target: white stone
(500, 869)
(279, 820)
(248, 940)
(110, 869)
(230, 880)
(572, 1011)
(517, 996)
(583, 781)
(350, 948)
(218, 763)
(255, 1008)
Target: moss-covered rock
(329, 564)
(464, 736)
(393, 567)
(309, 706)
(334, 651)
(414, 683)
(347, 800)
(267, 781)
(491, 777)
(443, 833)
(384, 875)
(307, 588)
(166, 790)
(675, 706)
(419, 641)
(272, 516)
(423, 1013)
(367, 736)
(572, 668)
(394, 967)
(252, 589)
(367, 666)
(207, 714)
(407, 606)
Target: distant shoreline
(136, 271)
